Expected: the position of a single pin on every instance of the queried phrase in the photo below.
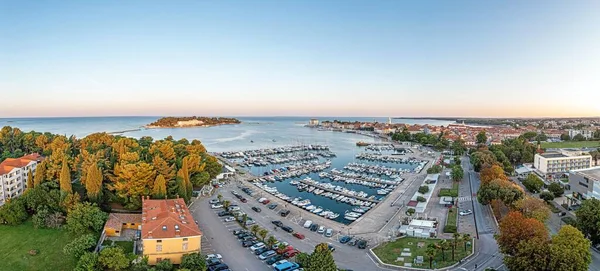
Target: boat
(350, 218)
(294, 182)
(309, 207)
(333, 216)
(318, 209)
(358, 210)
(362, 144)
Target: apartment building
(168, 230)
(587, 134)
(13, 175)
(585, 183)
(554, 164)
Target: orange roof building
(168, 230)
(116, 223)
(13, 175)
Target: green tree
(29, 180)
(443, 245)
(502, 190)
(40, 174)
(531, 254)
(303, 259)
(13, 212)
(65, 177)
(254, 229)
(455, 239)
(80, 245)
(321, 259)
(579, 137)
(434, 169)
(113, 258)
(220, 197)
(457, 173)
(88, 262)
(430, 251)
(570, 250)
(262, 233)
(159, 191)
(423, 189)
(547, 196)
(142, 265)
(271, 241)
(565, 137)
(588, 219)
(481, 138)
(164, 265)
(226, 204)
(193, 261)
(556, 189)
(85, 217)
(533, 183)
(466, 238)
(458, 146)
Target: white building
(553, 164)
(587, 134)
(313, 122)
(585, 183)
(13, 175)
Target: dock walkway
(391, 182)
(338, 192)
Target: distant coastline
(188, 122)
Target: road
(487, 253)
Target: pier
(124, 131)
(338, 192)
(338, 174)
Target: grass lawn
(449, 192)
(126, 245)
(390, 251)
(16, 241)
(571, 144)
(452, 216)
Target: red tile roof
(11, 163)
(167, 218)
(115, 220)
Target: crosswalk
(464, 199)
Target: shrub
(88, 262)
(423, 189)
(421, 199)
(410, 211)
(113, 258)
(547, 196)
(164, 265)
(80, 245)
(450, 229)
(569, 221)
(434, 169)
(556, 189)
(533, 183)
(447, 192)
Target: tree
(588, 219)
(164, 265)
(531, 207)
(423, 189)
(93, 184)
(13, 212)
(193, 261)
(502, 190)
(514, 228)
(570, 250)
(321, 259)
(466, 238)
(443, 245)
(29, 180)
(263, 234)
(65, 177)
(430, 252)
(163, 168)
(142, 264)
(113, 258)
(547, 196)
(532, 254)
(533, 183)
(458, 146)
(565, 137)
(457, 173)
(85, 217)
(494, 172)
(579, 137)
(88, 262)
(303, 260)
(482, 159)
(131, 181)
(244, 220)
(254, 229)
(556, 189)
(529, 135)
(40, 174)
(435, 169)
(455, 237)
(481, 138)
(226, 204)
(271, 241)
(220, 197)
(159, 191)
(80, 245)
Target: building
(168, 230)
(313, 122)
(13, 175)
(585, 183)
(587, 134)
(420, 228)
(117, 223)
(553, 164)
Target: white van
(307, 224)
(261, 200)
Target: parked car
(247, 243)
(223, 213)
(256, 209)
(218, 267)
(466, 212)
(261, 250)
(213, 201)
(235, 193)
(345, 239)
(284, 213)
(307, 223)
(257, 246)
(362, 244)
(238, 231)
(216, 206)
(290, 254)
(243, 234)
(213, 261)
(278, 262)
(285, 249)
(267, 254)
(352, 242)
(266, 202)
(287, 229)
(229, 219)
(331, 248)
(214, 256)
(274, 259)
(329, 233)
(314, 227)
(277, 223)
(244, 200)
(272, 206)
(321, 229)
(233, 208)
(249, 238)
(299, 235)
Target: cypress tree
(321, 259)
(93, 185)
(40, 174)
(65, 177)
(29, 180)
(159, 190)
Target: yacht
(317, 210)
(333, 216)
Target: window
(158, 260)
(116, 231)
(185, 239)
(185, 246)
(159, 241)
(582, 184)
(158, 248)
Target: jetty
(336, 173)
(124, 131)
(337, 192)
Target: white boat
(333, 216)
(318, 210)
(294, 182)
(350, 218)
(309, 207)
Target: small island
(181, 122)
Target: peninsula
(180, 122)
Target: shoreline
(187, 126)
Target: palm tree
(220, 197)
(466, 238)
(263, 234)
(281, 246)
(271, 241)
(430, 252)
(456, 236)
(226, 204)
(254, 229)
(443, 246)
(244, 220)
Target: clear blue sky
(309, 58)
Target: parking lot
(219, 237)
